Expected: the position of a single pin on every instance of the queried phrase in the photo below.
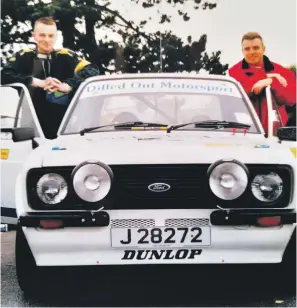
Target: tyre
(26, 269)
(289, 260)
(11, 227)
(39, 282)
(285, 272)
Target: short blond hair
(251, 36)
(48, 20)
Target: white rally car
(148, 169)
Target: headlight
(228, 179)
(267, 187)
(92, 181)
(52, 188)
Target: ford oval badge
(159, 187)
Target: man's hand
(62, 87)
(280, 78)
(51, 84)
(65, 87)
(258, 86)
(47, 84)
(54, 85)
(38, 83)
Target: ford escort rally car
(150, 169)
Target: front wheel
(283, 275)
(288, 265)
(26, 269)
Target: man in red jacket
(255, 72)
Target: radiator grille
(186, 222)
(150, 223)
(188, 187)
(132, 223)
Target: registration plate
(160, 237)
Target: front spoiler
(250, 217)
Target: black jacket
(65, 65)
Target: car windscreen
(167, 101)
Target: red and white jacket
(248, 75)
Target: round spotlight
(92, 180)
(228, 179)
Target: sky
(275, 20)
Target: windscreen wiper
(215, 124)
(124, 125)
(6, 117)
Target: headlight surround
(52, 188)
(228, 179)
(92, 180)
(246, 200)
(267, 187)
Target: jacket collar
(49, 56)
(43, 56)
(268, 66)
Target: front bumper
(102, 218)
(67, 219)
(251, 217)
(85, 241)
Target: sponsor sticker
(173, 85)
(294, 151)
(4, 154)
(168, 254)
(58, 149)
(262, 146)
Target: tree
(167, 53)
(141, 50)
(179, 5)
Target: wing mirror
(23, 134)
(287, 133)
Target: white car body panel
(9, 172)
(92, 245)
(176, 147)
(17, 155)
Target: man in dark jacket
(255, 72)
(52, 76)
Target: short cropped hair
(49, 20)
(251, 36)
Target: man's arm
(246, 81)
(83, 70)
(285, 94)
(12, 73)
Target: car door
(274, 122)
(17, 113)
